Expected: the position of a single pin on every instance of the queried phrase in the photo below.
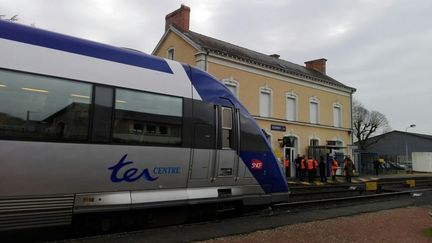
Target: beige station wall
(183, 51)
(249, 88)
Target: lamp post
(406, 144)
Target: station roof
(219, 47)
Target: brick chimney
(318, 65)
(179, 18)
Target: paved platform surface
(412, 224)
(358, 179)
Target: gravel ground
(411, 224)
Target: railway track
(348, 198)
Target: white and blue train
(87, 127)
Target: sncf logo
(257, 164)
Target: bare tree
(13, 18)
(366, 124)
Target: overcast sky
(382, 48)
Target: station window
(232, 85)
(291, 107)
(147, 118)
(314, 142)
(36, 107)
(337, 115)
(314, 110)
(171, 53)
(265, 102)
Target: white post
(406, 144)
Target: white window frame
(314, 138)
(314, 100)
(169, 50)
(337, 105)
(298, 145)
(338, 139)
(291, 95)
(269, 91)
(233, 83)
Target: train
(86, 127)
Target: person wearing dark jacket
(376, 164)
(322, 169)
(348, 168)
(297, 163)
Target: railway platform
(361, 186)
(360, 179)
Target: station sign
(277, 128)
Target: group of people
(310, 166)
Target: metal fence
(391, 165)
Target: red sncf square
(257, 164)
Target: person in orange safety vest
(303, 168)
(334, 168)
(286, 165)
(311, 164)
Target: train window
(36, 107)
(148, 103)
(251, 136)
(226, 127)
(146, 118)
(204, 125)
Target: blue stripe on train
(35, 36)
(271, 178)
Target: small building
(398, 146)
(422, 161)
(300, 108)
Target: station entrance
(289, 150)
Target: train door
(227, 158)
(216, 139)
(289, 154)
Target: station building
(302, 109)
